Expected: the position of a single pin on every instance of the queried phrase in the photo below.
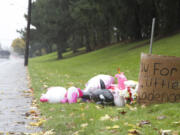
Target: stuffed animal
(100, 96)
(61, 95)
(53, 95)
(72, 95)
(93, 83)
(121, 79)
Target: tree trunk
(59, 52)
(138, 35)
(117, 36)
(88, 47)
(108, 31)
(49, 49)
(94, 38)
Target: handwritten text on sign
(159, 81)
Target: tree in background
(18, 46)
(72, 24)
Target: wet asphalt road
(13, 102)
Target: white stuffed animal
(54, 95)
(93, 83)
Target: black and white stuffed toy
(100, 96)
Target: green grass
(66, 119)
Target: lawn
(85, 118)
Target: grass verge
(84, 118)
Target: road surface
(14, 102)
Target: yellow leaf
(176, 122)
(91, 119)
(143, 106)
(131, 108)
(32, 111)
(133, 126)
(39, 123)
(115, 126)
(106, 117)
(49, 132)
(84, 125)
(108, 127)
(133, 132)
(76, 133)
(175, 133)
(98, 107)
(166, 132)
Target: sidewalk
(14, 103)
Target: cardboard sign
(159, 79)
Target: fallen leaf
(71, 114)
(123, 112)
(84, 125)
(32, 111)
(12, 133)
(115, 119)
(106, 117)
(131, 108)
(175, 133)
(165, 132)
(161, 117)
(22, 122)
(144, 122)
(133, 132)
(132, 125)
(45, 86)
(38, 123)
(51, 109)
(99, 107)
(77, 132)
(143, 106)
(49, 132)
(113, 127)
(91, 119)
(176, 123)
(120, 109)
(82, 115)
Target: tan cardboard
(159, 79)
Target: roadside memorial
(159, 79)
(100, 89)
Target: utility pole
(26, 56)
(152, 35)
